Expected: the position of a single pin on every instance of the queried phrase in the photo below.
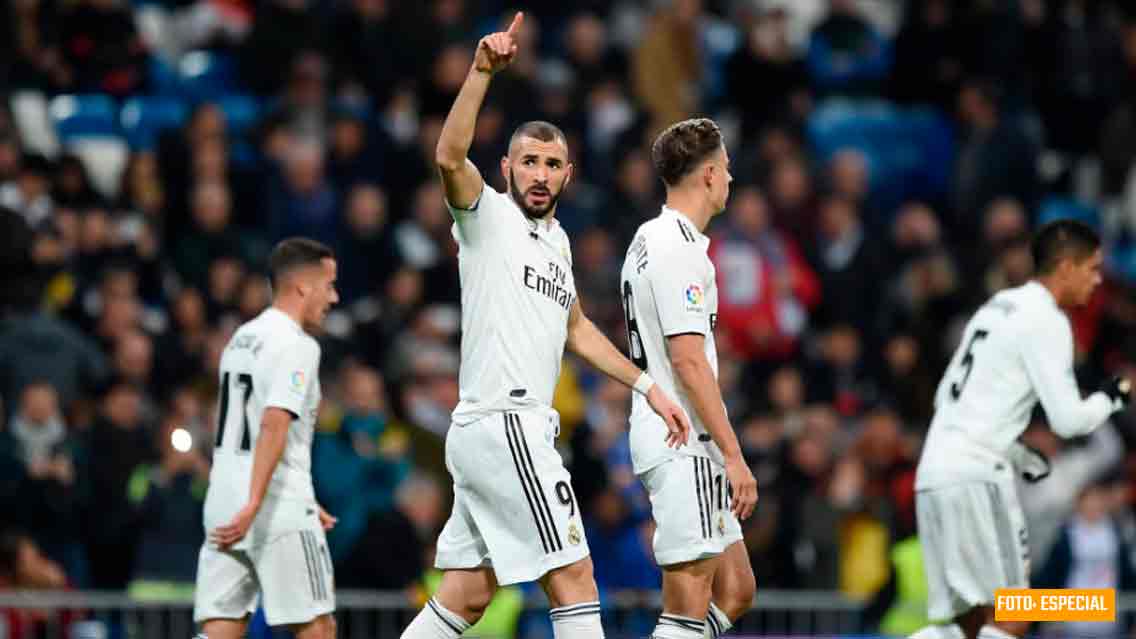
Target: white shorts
(292, 573)
(974, 541)
(690, 501)
(514, 507)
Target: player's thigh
(296, 577)
(518, 494)
(691, 507)
(226, 588)
(322, 627)
(734, 582)
(224, 629)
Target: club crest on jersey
(574, 536)
(694, 297)
(721, 524)
(297, 380)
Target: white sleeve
(1047, 351)
(293, 375)
(469, 228)
(678, 283)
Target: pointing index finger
(516, 24)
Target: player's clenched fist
(497, 50)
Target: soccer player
(1016, 349)
(265, 529)
(670, 300)
(515, 516)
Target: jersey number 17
(245, 381)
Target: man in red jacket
(765, 287)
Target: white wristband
(644, 383)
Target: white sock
(435, 622)
(990, 631)
(717, 623)
(578, 621)
(944, 631)
(678, 627)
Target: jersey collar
(275, 312)
(682, 217)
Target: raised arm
(460, 178)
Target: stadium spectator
(42, 462)
(118, 442)
(168, 495)
(358, 463)
(765, 287)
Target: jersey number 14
(244, 380)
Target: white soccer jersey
(516, 293)
(269, 362)
(668, 288)
(1016, 349)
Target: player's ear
(505, 168)
(568, 175)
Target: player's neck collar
(286, 317)
(685, 218)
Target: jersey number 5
(245, 380)
(967, 362)
(634, 341)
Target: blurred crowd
(842, 289)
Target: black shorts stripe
(555, 538)
(709, 496)
(1012, 572)
(434, 607)
(698, 491)
(539, 499)
(524, 480)
(308, 559)
(320, 573)
(321, 587)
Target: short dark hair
(683, 146)
(1061, 239)
(538, 130)
(293, 253)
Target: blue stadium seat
(84, 116)
(909, 151)
(144, 118)
(1056, 208)
(163, 76)
(206, 76)
(241, 112)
